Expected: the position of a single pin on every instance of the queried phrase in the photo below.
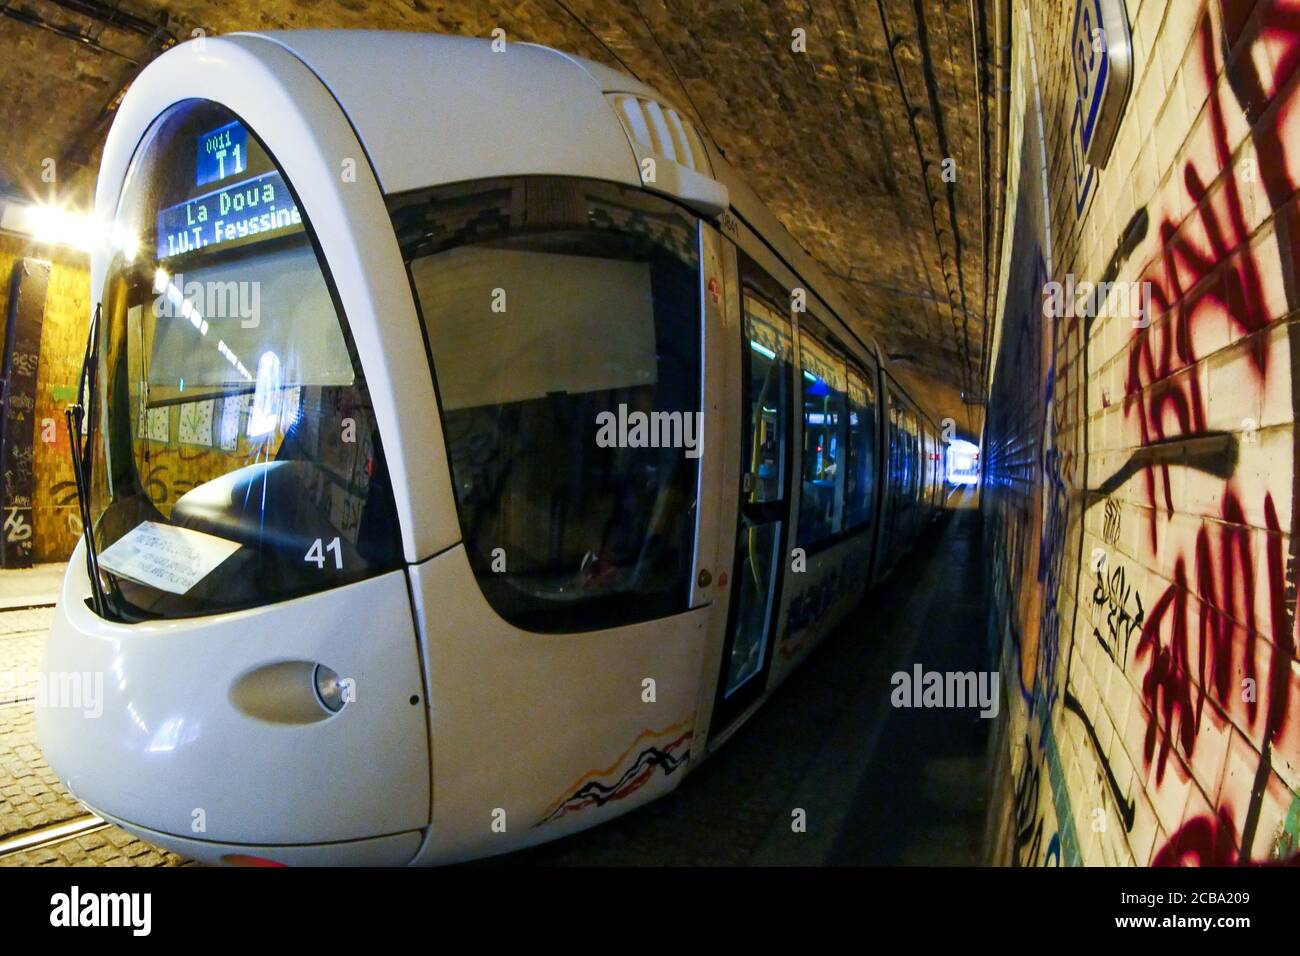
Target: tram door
(763, 518)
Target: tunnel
(646, 434)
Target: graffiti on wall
(22, 351)
(1220, 636)
(1191, 605)
(1027, 503)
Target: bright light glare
(54, 225)
(963, 463)
(51, 224)
(125, 241)
(265, 413)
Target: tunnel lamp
(57, 225)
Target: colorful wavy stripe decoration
(664, 750)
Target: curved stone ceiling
(867, 143)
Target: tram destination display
(245, 210)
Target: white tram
(462, 464)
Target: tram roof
(494, 114)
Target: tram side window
(859, 491)
(909, 456)
(764, 439)
(825, 440)
(563, 321)
(914, 456)
(897, 458)
(927, 462)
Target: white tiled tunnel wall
(1146, 606)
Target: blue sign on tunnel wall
(1101, 53)
(1091, 67)
(1084, 175)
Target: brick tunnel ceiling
(846, 142)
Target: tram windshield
(234, 458)
(563, 319)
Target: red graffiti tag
(1202, 841)
(1206, 271)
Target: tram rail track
(52, 835)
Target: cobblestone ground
(30, 795)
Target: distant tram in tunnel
(467, 453)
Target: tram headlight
(332, 690)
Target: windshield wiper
(75, 415)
